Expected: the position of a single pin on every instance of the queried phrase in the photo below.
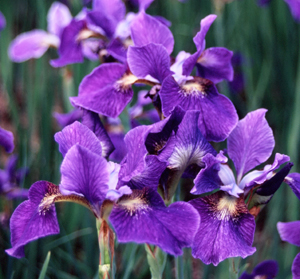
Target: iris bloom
(7, 140)
(34, 44)
(128, 191)
(225, 212)
(290, 231)
(218, 116)
(266, 269)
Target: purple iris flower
(7, 140)
(237, 85)
(294, 6)
(266, 269)
(11, 179)
(218, 116)
(263, 3)
(157, 32)
(2, 22)
(34, 44)
(225, 212)
(178, 140)
(247, 147)
(212, 63)
(65, 119)
(290, 231)
(138, 214)
(107, 90)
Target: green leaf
(45, 266)
(156, 260)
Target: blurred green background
(268, 41)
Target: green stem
(156, 260)
(106, 246)
(179, 267)
(234, 268)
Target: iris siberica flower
(266, 269)
(138, 213)
(7, 140)
(212, 63)
(11, 178)
(34, 44)
(225, 212)
(107, 90)
(290, 231)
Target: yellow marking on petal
(227, 203)
(194, 89)
(125, 82)
(50, 41)
(53, 195)
(85, 34)
(128, 80)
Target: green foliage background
(268, 38)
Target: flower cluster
(136, 194)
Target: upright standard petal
(93, 122)
(7, 140)
(144, 4)
(208, 179)
(101, 22)
(151, 59)
(227, 228)
(215, 64)
(84, 173)
(145, 29)
(142, 217)
(136, 153)
(218, 115)
(106, 90)
(77, 133)
(251, 142)
(58, 18)
(186, 148)
(113, 8)
(205, 24)
(70, 50)
(199, 41)
(190, 145)
(32, 220)
(32, 44)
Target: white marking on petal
(184, 156)
(193, 89)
